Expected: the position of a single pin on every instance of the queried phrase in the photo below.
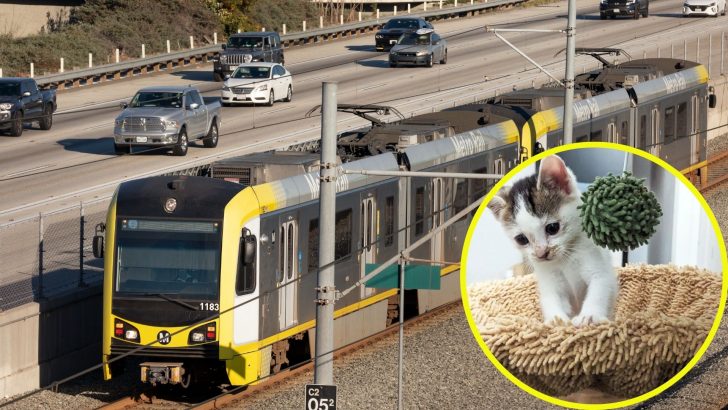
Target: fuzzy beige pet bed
(663, 315)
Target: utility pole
(324, 358)
(569, 77)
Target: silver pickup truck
(166, 118)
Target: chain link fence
(49, 254)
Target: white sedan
(704, 8)
(258, 83)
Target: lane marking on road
(279, 110)
(26, 171)
(372, 87)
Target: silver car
(421, 47)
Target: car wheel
(217, 77)
(602, 16)
(392, 64)
(430, 60)
(224, 104)
(637, 13)
(121, 149)
(289, 95)
(210, 140)
(180, 149)
(271, 98)
(444, 58)
(646, 13)
(46, 122)
(17, 129)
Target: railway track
(149, 399)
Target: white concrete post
(440, 3)
(214, 36)
(722, 51)
(321, 21)
(90, 60)
(116, 55)
(284, 29)
(61, 65)
(360, 16)
(672, 50)
(409, 10)
(192, 43)
(685, 49)
(341, 19)
(377, 14)
(644, 54)
(697, 51)
(424, 5)
(304, 25)
(32, 70)
(169, 50)
(710, 52)
(471, 2)
(456, 3)
(395, 10)
(144, 51)
(1, 72)
(239, 31)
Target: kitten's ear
(554, 173)
(497, 204)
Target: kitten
(576, 280)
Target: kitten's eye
(521, 239)
(552, 228)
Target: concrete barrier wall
(46, 341)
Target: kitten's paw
(585, 320)
(556, 320)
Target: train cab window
(682, 121)
(245, 281)
(642, 142)
(342, 248)
(389, 221)
(461, 195)
(313, 245)
(669, 124)
(419, 211)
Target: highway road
(74, 161)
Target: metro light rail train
(180, 250)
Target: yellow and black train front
(162, 276)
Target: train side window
(247, 254)
(642, 143)
(611, 132)
(596, 135)
(389, 221)
(419, 211)
(582, 138)
(281, 256)
(695, 125)
(624, 133)
(478, 187)
(342, 248)
(290, 250)
(669, 124)
(461, 195)
(682, 121)
(313, 245)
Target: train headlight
(131, 335)
(197, 337)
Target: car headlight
(712, 4)
(378, 36)
(119, 122)
(6, 106)
(422, 53)
(262, 87)
(223, 59)
(225, 88)
(603, 2)
(170, 124)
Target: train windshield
(168, 257)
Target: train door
(368, 238)
(438, 217)
(655, 142)
(287, 276)
(695, 130)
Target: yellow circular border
(551, 399)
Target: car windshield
(251, 72)
(10, 89)
(401, 23)
(168, 257)
(157, 99)
(246, 42)
(414, 39)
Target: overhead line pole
(325, 291)
(569, 77)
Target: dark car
(390, 33)
(246, 48)
(21, 100)
(632, 8)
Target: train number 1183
(209, 306)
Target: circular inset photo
(593, 274)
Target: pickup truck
(166, 118)
(21, 101)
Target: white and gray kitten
(576, 280)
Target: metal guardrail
(130, 68)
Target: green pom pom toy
(619, 212)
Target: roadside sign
(416, 276)
(320, 397)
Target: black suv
(395, 27)
(248, 47)
(632, 8)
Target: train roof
(670, 83)
(303, 188)
(429, 154)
